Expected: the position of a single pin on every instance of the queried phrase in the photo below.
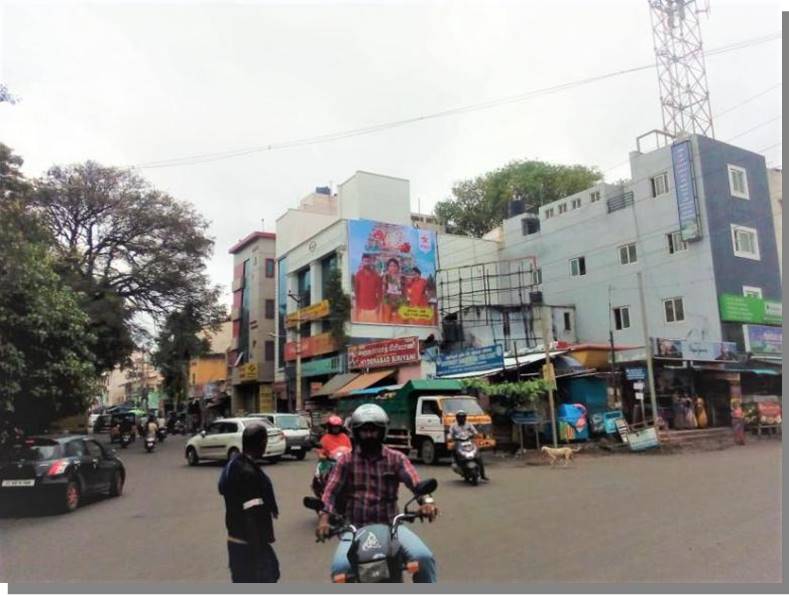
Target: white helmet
(369, 414)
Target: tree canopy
(480, 204)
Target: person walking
(250, 507)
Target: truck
(420, 415)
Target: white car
(222, 439)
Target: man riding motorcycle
(334, 438)
(151, 427)
(461, 431)
(369, 478)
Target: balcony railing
(617, 203)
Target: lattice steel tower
(682, 76)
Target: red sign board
(310, 346)
(382, 354)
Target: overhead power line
(490, 104)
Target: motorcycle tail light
(412, 567)
(57, 467)
(340, 578)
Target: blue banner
(681, 158)
(764, 340)
(482, 359)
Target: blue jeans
(413, 548)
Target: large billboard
(682, 160)
(393, 274)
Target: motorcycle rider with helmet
(334, 438)
(461, 431)
(369, 478)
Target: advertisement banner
(308, 314)
(248, 372)
(682, 161)
(393, 274)
(471, 360)
(699, 351)
(322, 367)
(383, 354)
(750, 309)
(310, 346)
(764, 340)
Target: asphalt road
(709, 516)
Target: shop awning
(527, 359)
(377, 389)
(750, 367)
(477, 374)
(335, 384)
(363, 381)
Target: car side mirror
(425, 487)
(202, 433)
(313, 503)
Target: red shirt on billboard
(367, 286)
(417, 290)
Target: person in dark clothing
(250, 507)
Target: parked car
(59, 471)
(222, 439)
(296, 430)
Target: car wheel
(191, 456)
(300, 455)
(232, 452)
(116, 485)
(71, 496)
(427, 452)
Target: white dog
(556, 453)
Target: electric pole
(648, 345)
(298, 300)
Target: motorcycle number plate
(19, 483)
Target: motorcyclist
(461, 431)
(151, 427)
(369, 478)
(335, 438)
(125, 425)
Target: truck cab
(435, 415)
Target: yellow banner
(415, 313)
(265, 398)
(248, 371)
(313, 312)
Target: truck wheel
(427, 452)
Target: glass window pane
(679, 311)
(625, 317)
(669, 310)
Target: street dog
(556, 453)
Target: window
(660, 184)
(578, 266)
(622, 317)
(676, 243)
(303, 286)
(75, 448)
(563, 208)
(594, 196)
(530, 225)
(214, 428)
(430, 408)
(627, 254)
(549, 213)
(745, 241)
(537, 277)
(738, 182)
(270, 309)
(674, 310)
(270, 268)
(95, 450)
(576, 203)
(567, 325)
(269, 351)
(749, 291)
(229, 427)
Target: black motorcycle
(375, 553)
(161, 434)
(126, 439)
(150, 443)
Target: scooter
(375, 554)
(322, 470)
(467, 467)
(161, 434)
(126, 438)
(150, 443)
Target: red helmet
(334, 420)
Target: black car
(59, 471)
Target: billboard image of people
(393, 274)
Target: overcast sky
(131, 83)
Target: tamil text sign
(764, 340)
(471, 360)
(682, 161)
(313, 312)
(393, 274)
(310, 346)
(750, 309)
(382, 354)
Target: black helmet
(369, 414)
(461, 416)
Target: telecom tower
(682, 76)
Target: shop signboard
(321, 367)
(265, 398)
(635, 373)
(764, 340)
(248, 372)
(311, 346)
(682, 162)
(308, 314)
(699, 351)
(750, 309)
(471, 360)
(393, 274)
(383, 354)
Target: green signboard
(321, 367)
(749, 309)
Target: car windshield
(467, 404)
(31, 450)
(292, 422)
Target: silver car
(296, 430)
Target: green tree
(340, 305)
(127, 248)
(480, 204)
(46, 366)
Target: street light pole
(299, 404)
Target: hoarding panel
(687, 206)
